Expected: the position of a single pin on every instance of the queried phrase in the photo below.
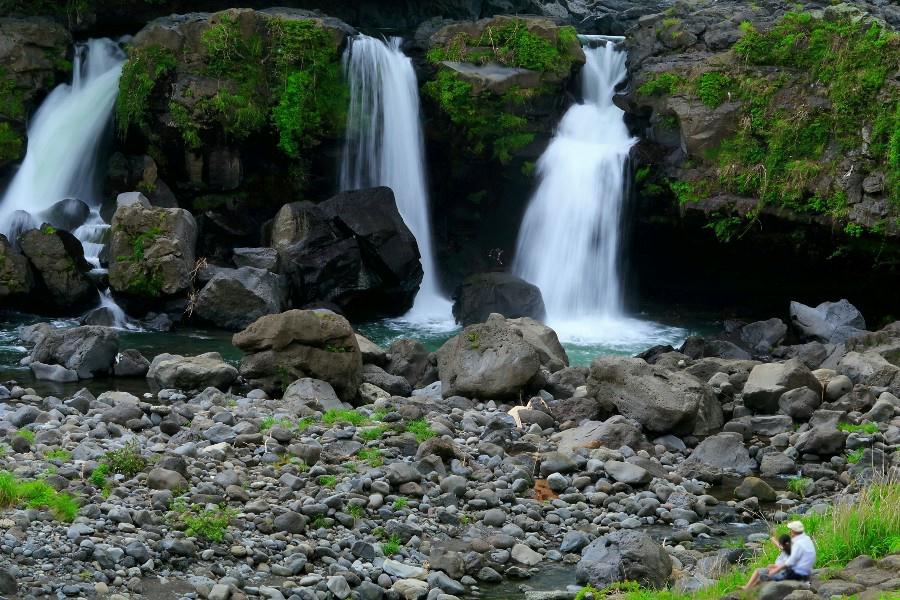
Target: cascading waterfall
(569, 241)
(384, 146)
(65, 139)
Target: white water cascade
(384, 146)
(569, 242)
(65, 139)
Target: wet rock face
(353, 250)
(57, 259)
(16, 279)
(480, 295)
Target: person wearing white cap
(800, 564)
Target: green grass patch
(372, 456)
(126, 461)
(372, 433)
(854, 456)
(400, 503)
(37, 494)
(861, 428)
(356, 511)
(328, 481)
(59, 454)
(26, 434)
(798, 485)
(333, 416)
(421, 429)
(661, 84)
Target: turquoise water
(583, 340)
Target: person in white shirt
(800, 564)
(783, 543)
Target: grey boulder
(624, 555)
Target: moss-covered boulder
(57, 257)
(151, 251)
(793, 115)
(32, 60)
(16, 279)
(492, 74)
(224, 101)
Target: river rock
(624, 555)
(409, 359)
(503, 293)
(661, 400)
(829, 322)
(57, 258)
(353, 250)
(763, 336)
(314, 393)
(490, 360)
(615, 432)
(56, 373)
(301, 343)
(723, 452)
(627, 473)
(234, 298)
(258, 258)
(16, 279)
(752, 487)
(88, 350)
(768, 381)
(825, 440)
(191, 372)
(152, 251)
(799, 403)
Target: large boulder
(615, 432)
(767, 383)
(151, 251)
(191, 372)
(88, 350)
(282, 348)
(234, 298)
(721, 453)
(16, 279)
(480, 295)
(829, 322)
(624, 555)
(662, 401)
(544, 340)
(763, 336)
(408, 359)
(353, 250)
(489, 360)
(61, 270)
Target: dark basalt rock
(61, 270)
(480, 295)
(353, 250)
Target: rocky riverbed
(325, 466)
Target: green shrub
(391, 546)
(400, 503)
(660, 84)
(356, 511)
(143, 70)
(204, 523)
(798, 485)
(713, 88)
(126, 461)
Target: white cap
(796, 527)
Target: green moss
(145, 280)
(661, 83)
(713, 88)
(12, 102)
(140, 75)
(11, 143)
(290, 80)
(487, 121)
(786, 151)
(510, 43)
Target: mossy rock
(152, 251)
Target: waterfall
(65, 139)
(384, 147)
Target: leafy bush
(204, 523)
(126, 461)
(392, 546)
